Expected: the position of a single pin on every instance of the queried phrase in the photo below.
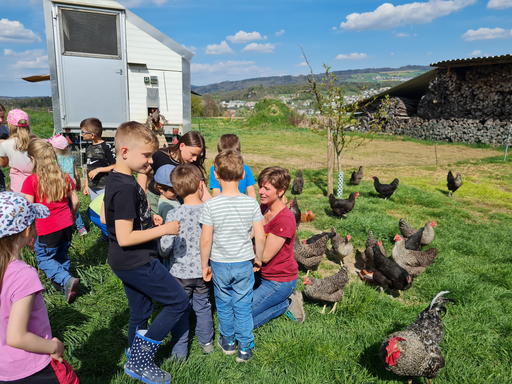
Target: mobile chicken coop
(108, 63)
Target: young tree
(196, 106)
(210, 106)
(339, 123)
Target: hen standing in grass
(413, 261)
(340, 207)
(310, 255)
(389, 274)
(328, 290)
(367, 255)
(307, 217)
(294, 207)
(357, 176)
(415, 351)
(428, 231)
(454, 183)
(318, 236)
(385, 190)
(298, 183)
(341, 247)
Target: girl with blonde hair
(13, 151)
(51, 186)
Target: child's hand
(93, 174)
(59, 350)
(157, 220)
(256, 265)
(86, 191)
(207, 274)
(172, 227)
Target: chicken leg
(333, 308)
(323, 310)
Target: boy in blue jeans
(226, 243)
(133, 250)
(185, 259)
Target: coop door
(92, 65)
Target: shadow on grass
(443, 191)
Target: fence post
(508, 142)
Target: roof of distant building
(473, 61)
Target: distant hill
(343, 76)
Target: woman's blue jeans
(270, 300)
(233, 284)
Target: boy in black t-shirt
(133, 250)
(100, 158)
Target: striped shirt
(231, 218)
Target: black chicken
(357, 176)
(454, 183)
(295, 210)
(340, 207)
(298, 183)
(415, 351)
(385, 190)
(318, 236)
(389, 274)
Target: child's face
(138, 158)
(2, 117)
(87, 135)
(169, 194)
(189, 154)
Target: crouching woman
(279, 272)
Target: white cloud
(34, 58)
(244, 37)
(218, 49)
(136, 3)
(352, 56)
(334, 29)
(303, 64)
(262, 48)
(475, 53)
(402, 35)
(499, 4)
(392, 54)
(15, 32)
(429, 53)
(191, 48)
(388, 16)
(281, 32)
(487, 34)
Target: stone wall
(468, 105)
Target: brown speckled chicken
(341, 247)
(428, 231)
(328, 290)
(310, 255)
(415, 351)
(367, 255)
(414, 262)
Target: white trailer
(108, 63)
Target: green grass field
(474, 238)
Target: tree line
(28, 102)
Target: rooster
(385, 190)
(428, 231)
(357, 176)
(454, 183)
(328, 290)
(414, 262)
(387, 273)
(310, 255)
(294, 207)
(340, 207)
(307, 217)
(415, 351)
(298, 183)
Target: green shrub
(270, 112)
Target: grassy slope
(473, 238)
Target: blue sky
(240, 39)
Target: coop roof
(474, 61)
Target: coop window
(90, 33)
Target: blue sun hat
(17, 213)
(163, 175)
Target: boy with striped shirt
(226, 243)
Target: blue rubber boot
(141, 363)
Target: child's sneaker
(82, 231)
(244, 354)
(208, 347)
(70, 289)
(228, 346)
(296, 309)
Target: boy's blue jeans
(79, 221)
(270, 300)
(233, 286)
(53, 259)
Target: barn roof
(474, 61)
